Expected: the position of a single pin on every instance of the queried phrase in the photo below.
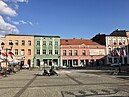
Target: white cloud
(15, 22)
(16, 1)
(30, 23)
(6, 27)
(22, 1)
(22, 22)
(8, 18)
(8, 9)
(5, 9)
(16, 6)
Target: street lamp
(59, 62)
(33, 61)
(6, 49)
(92, 60)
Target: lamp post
(91, 60)
(6, 50)
(33, 61)
(59, 62)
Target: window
(64, 62)
(37, 62)
(50, 52)
(114, 42)
(22, 52)
(110, 42)
(44, 51)
(124, 42)
(16, 42)
(56, 52)
(75, 62)
(50, 43)
(115, 60)
(16, 51)
(29, 51)
(44, 43)
(84, 52)
(38, 42)
(75, 52)
(110, 60)
(70, 52)
(56, 43)
(23, 42)
(10, 41)
(38, 52)
(64, 52)
(109, 50)
(29, 43)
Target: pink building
(81, 52)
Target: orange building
(23, 47)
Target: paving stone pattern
(71, 84)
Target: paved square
(68, 84)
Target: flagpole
(6, 63)
(6, 51)
(120, 64)
(118, 50)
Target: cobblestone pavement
(68, 84)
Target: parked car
(26, 66)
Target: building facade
(81, 52)
(1, 40)
(116, 48)
(23, 47)
(47, 51)
(119, 32)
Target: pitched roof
(77, 42)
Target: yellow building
(23, 47)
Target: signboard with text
(97, 52)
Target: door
(70, 63)
(38, 62)
(29, 62)
(22, 63)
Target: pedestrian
(29, 67)
(52, 72)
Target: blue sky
(72, 18)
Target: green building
(47, 51)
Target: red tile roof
(77, 42)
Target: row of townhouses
(38, 50)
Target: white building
(117, 50)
